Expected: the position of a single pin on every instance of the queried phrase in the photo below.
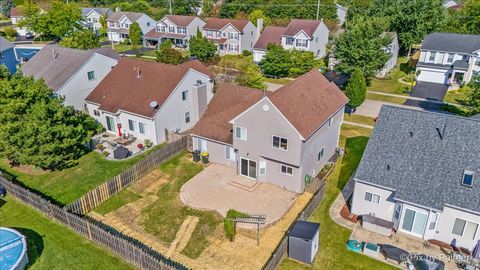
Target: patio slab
(211, 190)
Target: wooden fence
(125, 247)
(96, 196)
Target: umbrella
(476, 251)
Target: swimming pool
(25, 53)
(13, 250)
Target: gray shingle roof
(5, 44)
(424, 169)
(101, 11)
(56, 71)
(117, 15)
(449, 42)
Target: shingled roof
(123, 89)
(271, 34)
(297, 25)
(179, 20)
(422, 156)
(5, 44)
(220, 23)
(451, 42)
(16, 12)
(117, 15)
(101, 11)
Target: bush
(147, 143)
(9, 31)
(126, 42)
(246, 53)
(228, 225)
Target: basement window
(468, 178)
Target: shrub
(9, 31)
(246, 53)
(228, 225)
(147, 143)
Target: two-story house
(179, 29)
(16, 15)
(449, 59)
(119, 24)
(71, 73)
(231, 36)
(92, 18)
(392, 49)
(420, 172)
(145, 99)
(305, 35)
(282, 137)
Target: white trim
(212, 140)
(248, 169)
(233, 26)
(371, 197)
(286, 170)
(402, 220)
(235, 133)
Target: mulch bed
(345, 213)
(448, 246)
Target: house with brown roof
(145, 99)
(281, 137)
(119, 22)
(232, 36)
(179, 29)
(16, 15)
(305, 35)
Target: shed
(303, 241)
(120, 153)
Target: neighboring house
(231, 36)
(421, 171)
(305, 35)
(16, 15)
(7, 55)
(92, 18)
(450, 4)
(283, 137)
(119, 23)
(146, 99)
(178, 29)
(341, 14)
(448, 58)
(392, 49)
(71, 74)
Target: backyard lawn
(390, 83)
(360, 119)
(454, 96)
(390, 99)
(332, 253)
(67, 185)
(51, 245)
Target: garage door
(432, 76)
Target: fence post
(89, 230)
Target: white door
(432, 76)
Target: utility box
(303, 241)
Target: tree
(31, 17)
(259, 14)
(356, 89)
(281, 9)
(276, 62)
(252, 77)
(207, 7)
(202, 48)
(473, 96)
(169, 55)
(6, 7)
(82, 39)
(301, 62)
(135, 34)
(36, 129)
(361, 46)
(103, 22)
(62, 20)
(134, 6)
(466, 20)
(185, 7)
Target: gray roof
(5, 44)
(460, 64)
(449, 42)
(423, 168)
(56, 71)
(101, 11)
(304, 230)
(117, 15)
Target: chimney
(259, 28)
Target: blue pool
(13, 250)
(25, 53)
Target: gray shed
(303, 241)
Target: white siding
(445, 226)
(384, 210)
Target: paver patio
(211, 190)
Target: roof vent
(54, 54)
(441, 132)
(411, 133)
(154, 105)
(388, 167)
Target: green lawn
(332, 253)
(278, 80)
(397, 100)
(235, 61)
(122, 198)
(121, 47)
(455, 96)
(53, 246)
(361, 119)
(67, 185)
(390, 83)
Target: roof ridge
(431, 112)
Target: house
(71, 73)
(392, 49)
(231, 36)
(92, 18)
(282, 137)
(147, 99)
(305, 35)
(421, 171)
(341, 13)
(179, 29)
(16, 15)
(449, 59)
(7, 55)
(119, 22)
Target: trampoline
(13, 250)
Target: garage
(437, 76)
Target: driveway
(212, 189)
(429, 90)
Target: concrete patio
(108, 140)
(214, 189)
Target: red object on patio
(119, 127)
(140, 146)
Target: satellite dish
(154, 104)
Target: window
(301, 43)
(96, 113)
(280, 143)
(477, 62)
(465, 229)
(432, 56)
(262, 167)
(110, 123)
(370, 197)
(187, 117)
(320, 154)
(224, 34)
(241, 133)
(248, 168)
(450, 58)
(142, 127)
(131, 125)
(286, 170)
(398, 211)
(233, 47)
(468, 178)
(160, 28)
(171, 29)
(202, 145)
(289, 40)
(229, 153)
(91, 75)
(233, 35)
(182, 30)
(185, 95)
(414, 221)
(434, 221)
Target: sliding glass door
(414, 221)
(248, 168)
(110, 123)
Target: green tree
(135, 34)
(259, 14)
(82, 39)
(6, 7)
(282, 9)
(185, 7)
(169, 55)
(202, 48)
(361, 46)
(103, 22)
(230, 8)
(134, 6)
(36, 129)
(466, 20)
(32, 17)
(207, 7)
(252, 77)
(302, 62)
(62, 20)
(277, 61)
(473, 96)
(356, 89)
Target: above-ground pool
(13, 250)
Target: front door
(248, 168)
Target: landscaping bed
(391, 84)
